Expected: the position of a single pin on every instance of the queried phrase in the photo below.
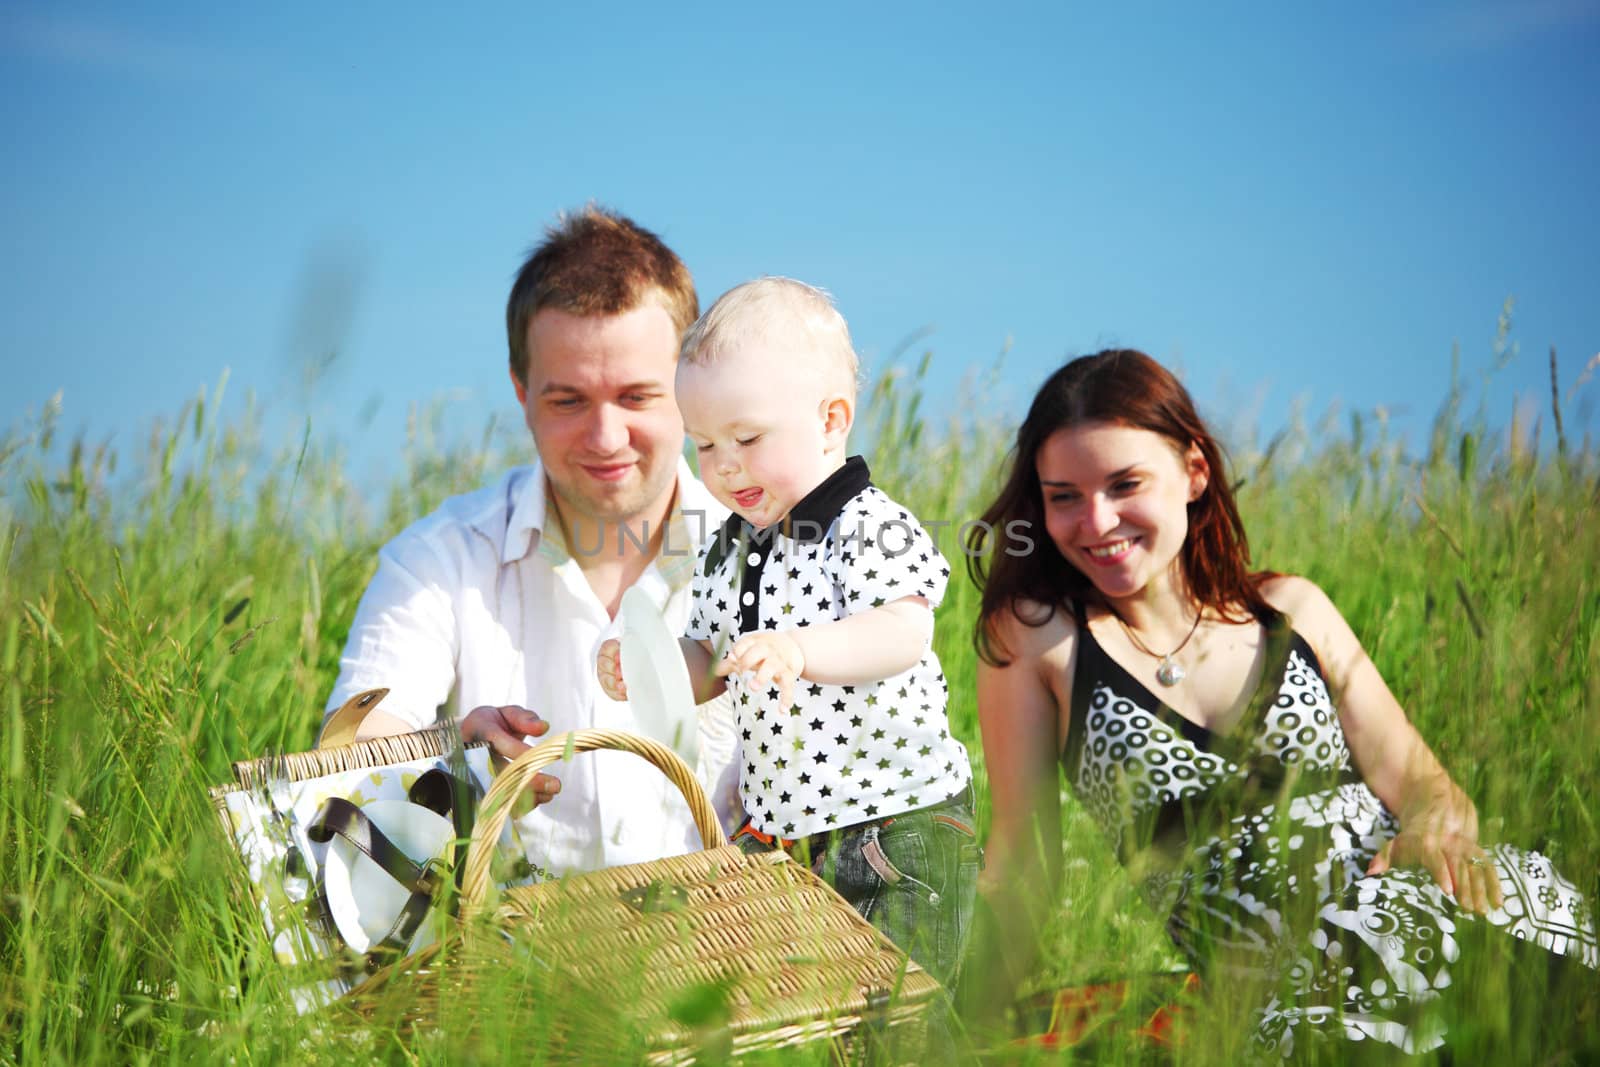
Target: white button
(753, 558)
(749, 598)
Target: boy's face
(766, 428)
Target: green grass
(164, 613)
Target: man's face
(600, 405)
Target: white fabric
(480, 603)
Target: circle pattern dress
(1255, 845)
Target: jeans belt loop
(878, 860)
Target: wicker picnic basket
(264, 812)
(709, 954)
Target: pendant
(1169, 673)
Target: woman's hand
(1439, 831)
(1457, 862)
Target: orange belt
(787, 843)
(749, 830)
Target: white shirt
(838, 754)
(481, 603)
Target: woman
(1224, 728)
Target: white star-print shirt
(839, 754)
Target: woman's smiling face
(1116, 503)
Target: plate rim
(338, 863)
(643, 623)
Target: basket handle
(510, 782)
(340, 727)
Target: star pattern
(850, 752)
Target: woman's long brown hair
(1126, 387)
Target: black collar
(809, 520)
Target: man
(498, 601)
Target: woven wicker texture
(376, 752)
(790, 962)
(511, 781)
(781, 958)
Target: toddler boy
(814, 607)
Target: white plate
(657, 677)
(363, 898)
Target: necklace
(1169, 672)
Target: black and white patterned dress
(1255, 844)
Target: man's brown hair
(596, 262)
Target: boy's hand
(608, 666)
(773, 659)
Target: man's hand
(608, 666)
(773, 659)
(504, 728)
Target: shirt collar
(531, 525)
(527, 505)
(808, 521)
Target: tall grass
(164, 613)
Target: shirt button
(754, 559)
(749, 598)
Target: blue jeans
(914, 876)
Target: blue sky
(1291, 206)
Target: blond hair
(783, 316)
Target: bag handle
(457, 800)
(440, 792)
(340, 727)
(339, 816)
(510, 782)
